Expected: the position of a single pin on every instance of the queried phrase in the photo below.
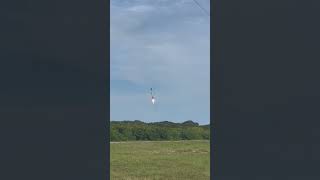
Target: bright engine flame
(153, 101)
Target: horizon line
(159, 121)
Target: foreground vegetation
(160, 160)
(137, 130)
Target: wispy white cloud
(141, 8)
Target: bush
(137, 130)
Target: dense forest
(157, 131)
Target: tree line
(138, 130)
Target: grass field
(175, 160)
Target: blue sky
(163, 44)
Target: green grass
(175, 160)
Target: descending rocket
(153, 99)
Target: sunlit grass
(175, 160)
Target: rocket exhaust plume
(153, 100)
